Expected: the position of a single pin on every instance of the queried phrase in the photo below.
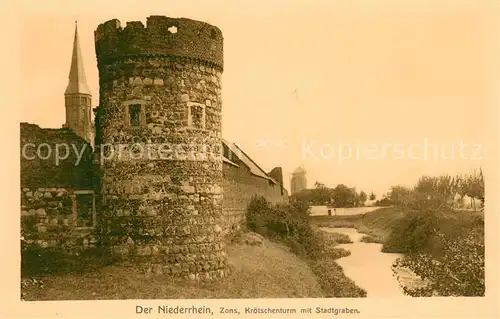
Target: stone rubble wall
(40, 167)
(239, 187)
(162, 36)
(47, 220)
(161, 212)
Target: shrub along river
(371, 269)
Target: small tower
(78, 97)
(299, 181)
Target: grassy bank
(291, 226)
(267, 270)
(376, 225)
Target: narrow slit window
(196, 116)
(197, 113)
(135, 114)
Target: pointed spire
(77, 80)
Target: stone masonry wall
(161, 207)
(54, 158)
(48, 220)
(54, 163)
(239, 187)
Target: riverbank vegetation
(442, 244)
(290, 224)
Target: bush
(459, 271)
(444, 248)
(338, 238)
(371, 239)
(257, 211)
(417, 231)
(290, 224)
(413, 233)
(333, 281)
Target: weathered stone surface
(44, 176)
(41, 212)
(193, 39)
(51, 216)
(41, 228)
(120, 250)
(161, 224)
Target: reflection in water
(368, 267)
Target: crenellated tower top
(162, 36)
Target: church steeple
(77, 96)
(77, 80)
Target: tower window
(134, 111)
(196, 116)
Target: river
(371, 269)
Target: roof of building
(254, 168)
(299, 170)
(77, 83)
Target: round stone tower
(160, 135)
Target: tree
(372, 196)
(384, 202)
(401, 196)
(435, 191)
(304, 195)
(461, 185)
(362, 197)
(352, 199)
(319, 185)
(321, 195)
(474, 186)
(341, 195)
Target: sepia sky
(365, 72)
